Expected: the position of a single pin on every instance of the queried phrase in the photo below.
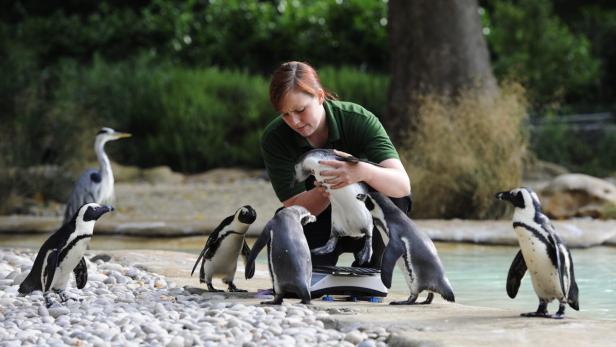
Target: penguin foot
(64, 296)
(404, 302)
(536, 315)
(211, 289)
(327, 248)
(410, 301)
(277, 301)
(428, 299)
(237, 290)
(48, 301)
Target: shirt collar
(332, 126)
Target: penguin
(349, 216)
(288, 254)
(223, 247)
(420, 263)
(542, 253)
(62, 253)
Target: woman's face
(303, 112)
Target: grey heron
(95, 185)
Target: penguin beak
(94, 213)
(104, 209)
(248, 215)
(503, 196)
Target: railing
(581, 122)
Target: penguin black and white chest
(542, 253)
(349, 216)
(62, 253)
(223, 247)
(410, 248)
(287, 253)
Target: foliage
(593, 152)
(366, 89)
(239, 34)
(191, 119)
(463, 151)
(542, 53)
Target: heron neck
(103, 160)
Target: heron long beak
(118, 135)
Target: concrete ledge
(577, 233)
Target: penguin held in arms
(542, 253)
(62, 253)
(420, 264)
(349, 216)
(288, 254)
(223, 247)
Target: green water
(477, 273)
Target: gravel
(126, 306)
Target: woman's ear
(321, 95)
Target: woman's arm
(390, 179)
(314, 200)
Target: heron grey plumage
(95, 185)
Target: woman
(311, 117)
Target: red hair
(295, 76)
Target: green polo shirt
(352, 129)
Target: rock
(176, 341)
(161, 174)
(578, 195)
(58, 311)
(354, 337)
(540, 170)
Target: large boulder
(578, 195)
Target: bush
(464, 151)
(593, 153)
(366, 89)
(532, 45)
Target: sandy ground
(439, 324)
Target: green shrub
(590, 153)
(532, 45)
(366, 89)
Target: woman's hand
(343, 173)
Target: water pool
(477, 273)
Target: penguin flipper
(390, 256)
(250, 268)
(517, 270)
(81, 273)
(263, 240)
(572, 298)
(197, 262)
(50, 270)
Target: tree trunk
(437, 48)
